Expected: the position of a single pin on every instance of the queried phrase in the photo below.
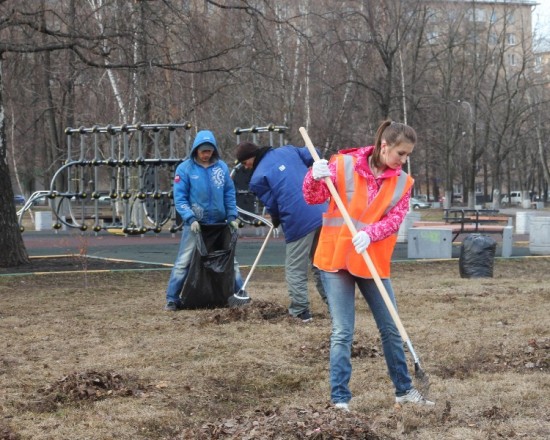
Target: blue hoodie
(204, 194)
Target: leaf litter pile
(85, 386)
(293, 423)
(98, 358)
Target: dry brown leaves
(6, 433)
(292, 423)
(85, 386)
(532, 357)
(258, 310)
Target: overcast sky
(541, 18)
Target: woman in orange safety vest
(376, 192)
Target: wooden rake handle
(353, 230)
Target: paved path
(162, 248)
(150, 248)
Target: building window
(474, 37)
(511, 39)
(477, 15)
(493, 39)
(480, 15)
(453, 15)
(510, 18)
(493, 19)
(433, 15)
(432, 37)
(538, 63)
(511, 59)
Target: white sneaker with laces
(414, 396)
(342, 405)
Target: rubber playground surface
(153, 251)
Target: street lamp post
(451, 131)
(472, 180)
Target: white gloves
(195, 227)
(234, 225)
(320, 169)
(361, 241)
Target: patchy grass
(98, 358)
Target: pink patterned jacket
(316, 192)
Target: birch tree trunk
(97, 6)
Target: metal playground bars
(119, 178)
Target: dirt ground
(88, 353)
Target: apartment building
(494, 25)
(492, 41)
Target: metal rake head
(422, 379)
(239, 299)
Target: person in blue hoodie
(204, 193)
(277, 178)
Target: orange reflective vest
(335, 250)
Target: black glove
(275, 222)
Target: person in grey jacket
(277, 177)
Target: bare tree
(336, 67)
(13, 249)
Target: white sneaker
(414, 396)
(342, 405)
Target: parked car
(41, 200)
(514, 198)
(105, 199)
(19, 199)
(456, 199)
(419, 204)
(421, 197)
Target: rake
(420, 375)
(241, 298)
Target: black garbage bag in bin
(477, 256)
(211, 278)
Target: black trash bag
(477, 256)
(211, 278)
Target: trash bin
(523, 218)
(539, 236)
(43, 220)
(477, 256)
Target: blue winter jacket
(204, 194)
(277, 181)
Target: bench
(470, 220)
(466, 221)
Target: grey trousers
(299, 255)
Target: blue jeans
(182, 263)
(340, 290)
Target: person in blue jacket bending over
(277, 178)
(204, 193)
